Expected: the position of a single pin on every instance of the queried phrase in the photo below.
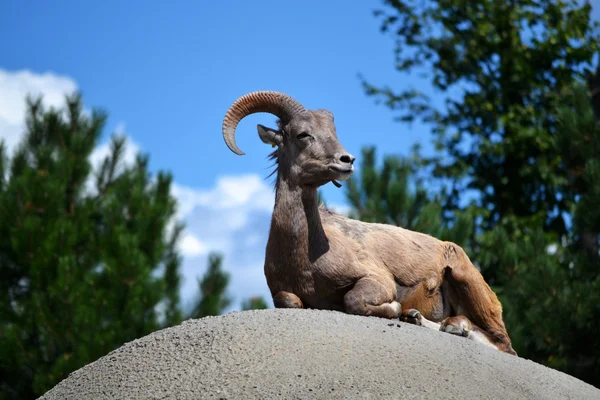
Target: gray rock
(309, 354)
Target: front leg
(287, 300)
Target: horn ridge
(279, 104)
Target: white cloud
(190, 246)
(231, 218)
(15, 86)
(229, 193)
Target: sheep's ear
(327, 113)
(268, 135)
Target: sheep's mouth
(342, 174)
(342, 171)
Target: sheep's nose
(347, 159)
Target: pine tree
(213, 299)
(86, 265)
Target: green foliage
(254, 303)
(553, 298)
(501, 65)
(578, 137)
(519, 131)
(85, 265)
(213, 286)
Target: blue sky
(167, 72)
(170, 72)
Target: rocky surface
(308, 354)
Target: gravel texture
(309, 354)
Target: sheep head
(308, 150)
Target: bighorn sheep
(322, 260)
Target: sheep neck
(296, 224)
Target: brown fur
(322, 260)
(373, 264)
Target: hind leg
(462, 326)
(459, 326)
(478, 312)
(371, 297)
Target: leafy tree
(86, 264)
(579, 138)
(254, 303)
(499, 65)
(213, 298)
(518, 134)
(552, 301)
(554, 295)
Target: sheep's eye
(303, 135)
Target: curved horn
(276, 103)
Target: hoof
(456, 326)
(412, 316)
